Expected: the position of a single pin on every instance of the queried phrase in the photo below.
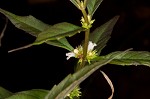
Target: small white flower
(78, 52)
(70, 54)
(91, 46)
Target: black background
(45, 65)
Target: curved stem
(110, 84)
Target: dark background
(45, 65)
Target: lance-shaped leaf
(92, 6)
(30, 94)
(101, 35)
(38, 93)
(26, 23)
(21, 96)
(73, 80)
(57, 32)
(34, 27)
(129, 58)
(4, 93)
(63, 43)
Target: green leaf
(129, 58)
(38, 93)
(34, 27)
(58, 31)
(21, 96)
(73, 80)
(26, 23)
(101, 35)
(63, 43)
(92, 6)
(30, 94)
(4, 93)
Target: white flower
(78, 52)
(91, 46)
(70, 54)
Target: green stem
(78, 1)
(86, 40)
(87, 32)
(85, 3)
(85, 15)
(85, 47)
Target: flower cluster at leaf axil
(85, 24)
(78, 53)
(75, 93)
